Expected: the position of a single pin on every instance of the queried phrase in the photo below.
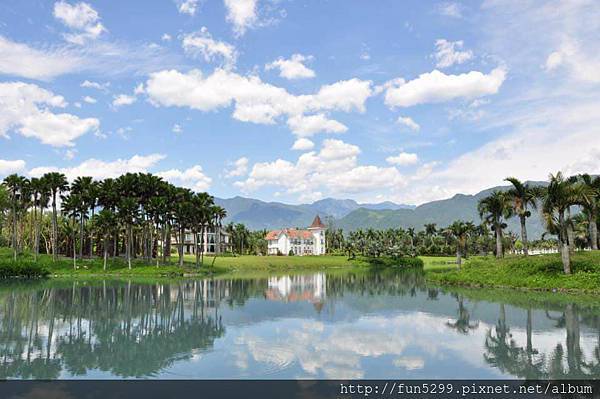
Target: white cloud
(254, 101)
(436, 87)
(581, 65)
(90, 100)
(17, 59)
(26, 109)
(403, 159)
(242, 14)
(123, 99)
(99, 169)
(192, 178)
(450, 9)
(303, 125)
(334, 170)
(303, 144)
(139, 89)
(81, 18)
(177, 128)
(449, 53)
(70, 154)
(238, 168)
(408, 122)
(8, 167)
(95, 85)
(292, 68)
(187, 7)
(166, 37)
(202, 43)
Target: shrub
(22, 269)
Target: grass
(532, 273)
(226, 264)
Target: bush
(22, 269)
(291, 253)
(403, 262)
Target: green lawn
(222, 264)
(533, 272)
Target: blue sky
(299, 100)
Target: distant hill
(350, 215)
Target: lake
(314, 325)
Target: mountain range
(350, 215)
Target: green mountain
(350, 215)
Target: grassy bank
(533, 273)
(224, 264)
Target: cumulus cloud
(303, 144)
(333, 170)
(83, 20)
(238, 168)
(17, 59)
(292, 68)
(436, 87)
(99, 169)
(242, 14)
(192, 178)
(8, 167)
(403, 159)
(95, 85)
(450, 53)
(450, 9)
(303, 125)
(89, 100)
(26, 110)
(201, 43)
(123, 99)
(177, 128)
(408, 122)
(254, 100)
(187, 7)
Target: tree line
(568, 205)
(135, 214)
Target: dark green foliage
(21, 269)
(402, 262)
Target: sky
(295, 101)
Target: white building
(310, 241)
(215, 240)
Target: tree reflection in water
(125, 329)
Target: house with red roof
(309, 241)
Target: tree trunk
(570, 232)
(128, 246)
(524, 234)
(180, 249)
(593, 231)
(565, 254)
(105, 251)
(74, 245)
(458, 256)
(81, 236)
(14, 232)
(54, 229)
(499, 251)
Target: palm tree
(493, 209)
(128, 213)
(57, 184)
(591, 204)
(41, 198)
(83, 187)
(105, 221)
(461, 232)
(15, 186)
(73, 206)
(556, 199)
(522, 196)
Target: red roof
(291, 233)
(317, 223)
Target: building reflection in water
(310, 288)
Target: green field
(222, 264)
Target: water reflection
(318, 325)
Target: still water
(314, 325)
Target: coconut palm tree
(461, 232)
(73, 206)
(557, 198)
(590, 201)
(57, 184)
(83, 187)
(128, 214)
(493, 209)
(105, 222)
(522, 196)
